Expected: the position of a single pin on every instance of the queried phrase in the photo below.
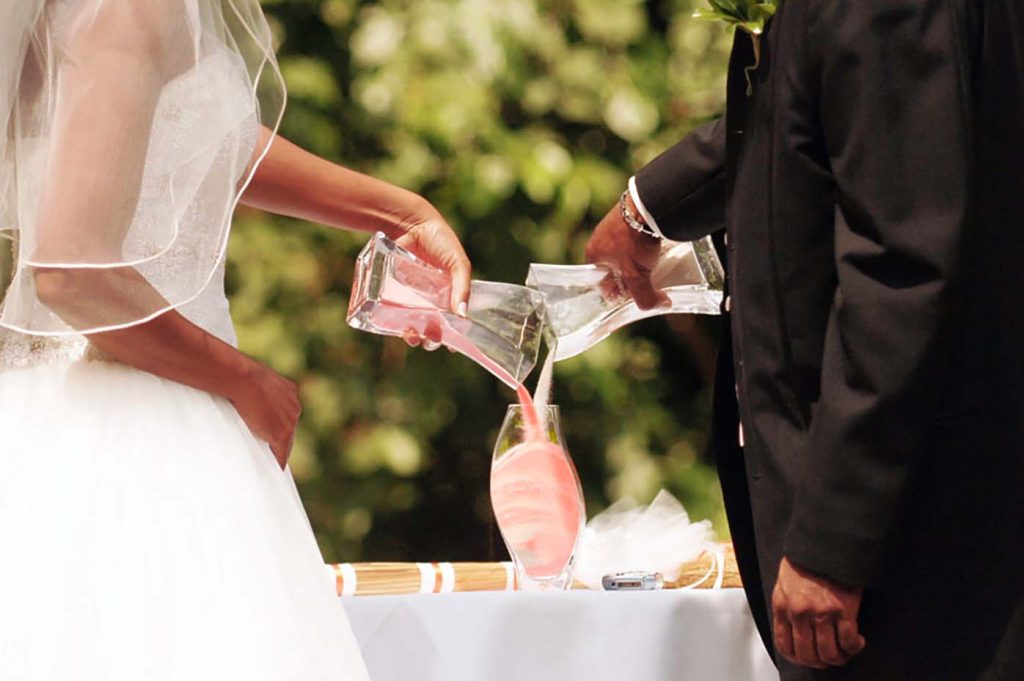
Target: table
(585, 635)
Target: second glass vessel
(585, 304)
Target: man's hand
(815, 620)
(630, 255)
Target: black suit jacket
(872, 189)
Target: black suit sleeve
(896, 121)
(684, 189)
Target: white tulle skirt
(146, 534)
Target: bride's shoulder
(155, 32)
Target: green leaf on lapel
(746, 15)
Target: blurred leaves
(521, 120)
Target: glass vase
(537, 498)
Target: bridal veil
(128, 131)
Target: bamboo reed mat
(377, 579)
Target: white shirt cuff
(648, 218)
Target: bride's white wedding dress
(145, 533)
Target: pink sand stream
(534, 487)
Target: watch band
(635, 223)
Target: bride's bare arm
(291, 181)
(294, 182)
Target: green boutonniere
(749, 16)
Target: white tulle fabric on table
(627, 537)
(128, 131)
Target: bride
(147, 528)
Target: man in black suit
(871, 187)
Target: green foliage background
(521, 120)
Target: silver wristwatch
(633, 221)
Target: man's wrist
(633, 220)
(637, 203)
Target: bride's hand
(429, 236)
(269, 404)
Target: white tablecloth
(585, 635)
